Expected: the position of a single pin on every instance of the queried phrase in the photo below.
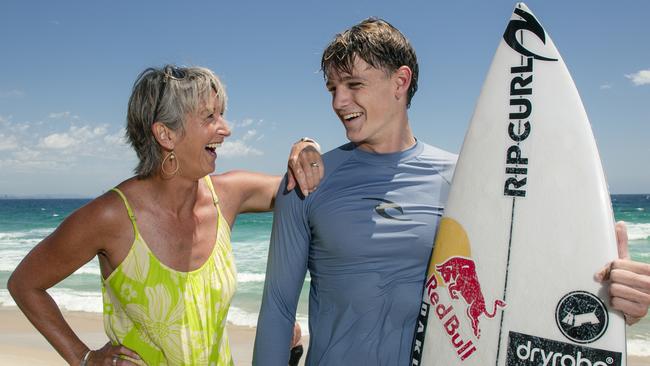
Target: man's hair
(169, 106)
(379, 44)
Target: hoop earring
(172, 157)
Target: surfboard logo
(452, 266)
(529, 23)
(452, 325)
(459, 274)
(581, 316)
(528, 350)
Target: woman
(162, 237)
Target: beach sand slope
(21, 344)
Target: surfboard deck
(527, 225)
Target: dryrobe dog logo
(459, 274)
(581, 316)
(388, 205)
(527, 350)
(529, 23)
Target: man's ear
(163, 135)
(402, 77)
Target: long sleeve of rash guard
(285, 273)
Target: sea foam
(243, 318)
(250, 277)
(638, 347)
(638, 231)
(66, 299)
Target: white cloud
(88, 132)
(12, 94)
(71, 144)
(249, 135)
(57, 141)
(245, 138)
(26, 155)
(99, 131)
(118, 138)
(23, 128)
(605, 86)
(246, 122)
(28, 160)
(8, 142)
(59, 115)
(63, 115)
(83, 137)
(237, 148)
(640, 78)
(64, 146)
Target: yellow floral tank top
(171, 317)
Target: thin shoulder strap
(128, 208)
(215, 199)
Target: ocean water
(25, 222)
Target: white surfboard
(527, 225)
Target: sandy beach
(21, 344)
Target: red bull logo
(451, 323)
(452, 266)
(459, 274)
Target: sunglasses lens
(175, 73)
(171, 72)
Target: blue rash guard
(366, 236)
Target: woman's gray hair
(168, 95)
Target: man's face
(365, 102)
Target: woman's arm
(76, 241)
(243, 191)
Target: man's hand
(305, 167)
(629, 280)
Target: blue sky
(67, 68)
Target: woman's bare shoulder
(105, 214)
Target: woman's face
(205, 131)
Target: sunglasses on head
(170, 73)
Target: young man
(367, 232)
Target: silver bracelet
(309, 139)
(85, 358)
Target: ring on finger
(314, 164)
(115, 358)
